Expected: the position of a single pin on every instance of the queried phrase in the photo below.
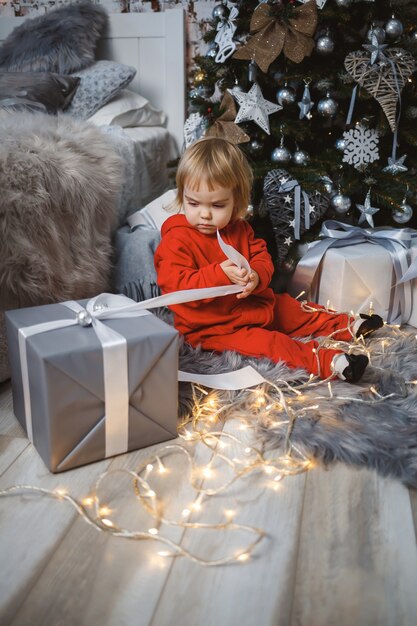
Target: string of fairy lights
(278, 402)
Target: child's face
(208, 210)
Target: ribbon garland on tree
(272, 34)
(224, 126)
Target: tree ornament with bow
(272, 32)
(226, 28)
(224, 126)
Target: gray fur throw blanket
(59, 181)
(372, 424)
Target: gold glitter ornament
(199, 76)
(224, 126)
(271, 35)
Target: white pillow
(154, 214)
(128, 109)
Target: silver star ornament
(253, 106)
(376, 49)
(396, 165)
(367, 211)
(287, 241)
(306, 104)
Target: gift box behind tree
(355, 269)
(61, 402)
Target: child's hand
(252, 283)
(234, 274)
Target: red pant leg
(291, 319)
(260, 342)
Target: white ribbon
(233, 255)
(115, 362)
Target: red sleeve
(259, 259)
(177, 268)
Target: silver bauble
(394, 28)
(204, 91)
(343, 4)
(219, 12)
(285, 95)
(340, 203)
(327, 107)
(325, 45)
(193, 94)
(340, 144)
(281, 155)
(379, 33)
(278, 76)
(403, 214)
(300, 157)
(413, 36)
(256, 146)
(212, 50)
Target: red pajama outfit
(260, 325)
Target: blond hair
(217, 162)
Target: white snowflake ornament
(194, 128)
(361, 146)
(253, 106)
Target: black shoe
(357, 365)
(371, 323)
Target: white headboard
(153, 43)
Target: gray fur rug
(354, 426)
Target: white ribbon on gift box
(115, 361)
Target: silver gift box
(65, 369)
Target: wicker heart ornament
(384, 80)
(279, 201)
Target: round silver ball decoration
(340, 144)
(250, 210)
(281, 155)
(340, 203)
(343, 4)
(300, 157)
(325, 45)
(256, 146)
(327, 107)
(413, 36)
(194, 94)
(278, 76)
(204, 91)
(212, 50)
(285, 95)
(379, 33)
(219, 12)
(403, 214)
(394, 28)
(84, 318)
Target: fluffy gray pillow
(62, 41)
(99, 83)
(43, 90)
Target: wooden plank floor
(341, 550)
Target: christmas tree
(321, 96)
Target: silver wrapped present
(86, 387)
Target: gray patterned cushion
(99, 83)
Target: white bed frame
(153, 43)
